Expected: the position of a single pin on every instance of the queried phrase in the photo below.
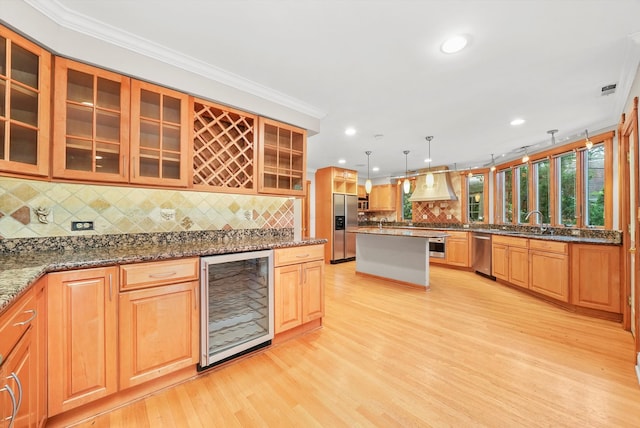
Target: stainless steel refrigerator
(345, 218)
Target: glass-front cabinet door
(282, 158)
(91, 128)
(25, 72)
(159, 135)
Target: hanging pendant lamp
(367, 184)
(406, 185)
(429, 179)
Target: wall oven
(237, 301)
(437, 248)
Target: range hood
(440, 191)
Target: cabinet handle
(31, 318)
(110, 286)
(162, 275)
(14, 408)
(15, 377)
(302, 256)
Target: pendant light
(587, 142)
(553, 137)
(367, 184)
(525, 158)
(406, 185)
(493, 163)
(429, 178)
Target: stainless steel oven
(237, 302)
(437, 247)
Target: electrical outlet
(168, 214)
(81, 225)
(575, 232)
(424, 216)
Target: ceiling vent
(608, 89)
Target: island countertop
(21, 269)
(393, 231)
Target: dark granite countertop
(21, 269)
(398, 231)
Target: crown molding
(97, 29)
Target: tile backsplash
(31, 208)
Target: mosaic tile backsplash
(31, 208)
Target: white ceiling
(376, 65)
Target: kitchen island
(399, 255)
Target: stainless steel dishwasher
(481, 254)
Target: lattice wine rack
(224, 148)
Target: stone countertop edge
(391, 231)
(20, 271)
(559, 238)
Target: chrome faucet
(543, 228)
(381, 221)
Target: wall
(116, 210)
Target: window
(594, 185)
(506, 177)
(541, 190)
(566, 176)
(407, 209)
(522, 175)
(475, 196)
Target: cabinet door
(457, 252)
(288, 297)
(25, 76)
(91, 129)
(519, 266)
(595, 277)
(549, 273)
(312, 290)
(21, 377)
(283, 158)
(158, 332)
(499, 261)
(82, 337)
(159, 134)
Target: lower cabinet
(102, 340)
(457, 249)
(299, 286)
(21, 375)
(549, 268)
(595, 277)
(82, 337)
(158, 332)
(510, 260)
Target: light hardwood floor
(468, 353)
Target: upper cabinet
(224, 149)
(159, 135)
(25, 75)
(91, 125)
(283, 158)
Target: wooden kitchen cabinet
(25, 94)
(457, 248)
(225, 155)
(159, 135)
(298, 286)
(158, 319)
(91, 125)
(82, 337)
(21, 372)
(343, 180)
(595, 277)
(282, 158)
(382, 198)
(510, 260)
(549, 268)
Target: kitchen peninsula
(399, 255)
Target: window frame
(605, 139)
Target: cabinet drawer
(511, 241)
(15, 321)
(551, 246)
(141, 275)
(455, 234)
(287, 256)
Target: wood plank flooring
(469, 353)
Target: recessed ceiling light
(516, 122)
(375, 169)
(454, 44)
(341, 161)
(350, 131)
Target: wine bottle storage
(224, 155)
